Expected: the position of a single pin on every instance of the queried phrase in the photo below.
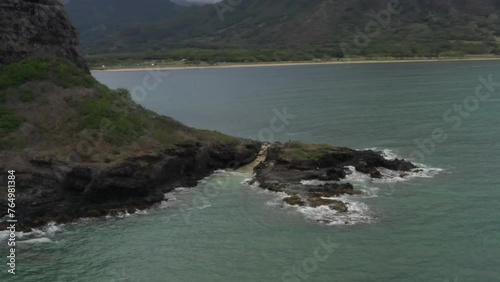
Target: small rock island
(286, 166)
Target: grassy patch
(295, 144)
(112, 112)
(215, 136)
(61, 72)
(101, 113)
(302, 154)
(12, 144)
(301, 145)
(9, 122)
(167, 136)
(325, 147)
(117, 117)
(26, 96)
(299, 151)
(67, 75)
(20, 73)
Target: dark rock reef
(37, 28)
(287, 165)
(51, 190)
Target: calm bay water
(440, 228)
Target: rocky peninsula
(287, 166)
(78, 148)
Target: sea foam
(358, 212)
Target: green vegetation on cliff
(298, 151)
(9, 122)
(292, 30)
(65, 109)
(60, 72)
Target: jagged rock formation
(287, 165)
(51, 190)
(37, 28)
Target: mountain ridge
(422, 28)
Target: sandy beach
(245, 65)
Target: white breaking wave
(368, 191)
(386, 153)
(247, 181)
(141, 212)
(316, 182)
(86, 220)
(216, 173)
(37, 241)
(204, 207)
(170, 198)
(423, 171)
(255, 184)
(123, 214)
(278, 200)
(126, 214)
(37, 235)
(357, 213)
(4, 235)
(355, 176)
(48, 230)
(389, 176)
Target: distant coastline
(275, 64)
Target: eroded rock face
(286, 167)
(51, 190)
(37, 28)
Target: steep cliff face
(422, 28)
(51, 190)
(37, 28)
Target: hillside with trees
(291, 30)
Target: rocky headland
(78, 148)
(287, 166)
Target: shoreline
(269, 64)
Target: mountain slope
(99, 18)
(422, 28)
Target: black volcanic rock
(62, 192)
(37, 28)
(286, 166)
